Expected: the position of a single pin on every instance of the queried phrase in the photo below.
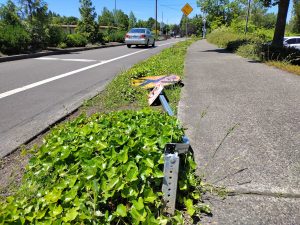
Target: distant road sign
(187, 9)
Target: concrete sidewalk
(243, 119)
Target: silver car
(293, 42)
(139, 36)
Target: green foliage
(238, 26)
(105, 169)
(106, 18)
(76, 40)
(9, 14)
(288, 55)
(114, 36)
(38, 22)
(251, 51)
(122, 20)
(62, 45)
(87, 25)
(13, 39)
(217, 11)
(56, 35)
(132, 20)
(194, 26)
(254, 46)
(62, 20)
(296, 17)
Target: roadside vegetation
(255, 39)
(121, 94)
(107, 168)
(254, 45)
(27, 26)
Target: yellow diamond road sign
(187, 9)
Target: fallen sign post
(152, 81)
(171, 171)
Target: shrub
(251, 51)
(13, 39)
(76, 40)
(56, 35)
(115, 36)
(254, 45)
(62, 45)
(106, 169)
(289, 55)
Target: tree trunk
(283, 8)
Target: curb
(53, 52)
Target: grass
(285, 66)
(120, 94)
(253, 47)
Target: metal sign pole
(186, 28)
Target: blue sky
(143, 9)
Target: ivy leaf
(57, 210)
(138, 215)
(70, 195)
(123, 156)
(101, 146)
(149, 162)
(149, 196)
(189, 206)
(113, 183)
(132, 174)
(121, 210)
(139, 205)
(70, 215)
(53, 196)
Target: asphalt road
(35, 93)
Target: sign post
(187, 9)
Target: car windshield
(137, 30)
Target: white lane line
(46, 58)
(168, 43)
(24, 88)
(39, 83)
(67, 60)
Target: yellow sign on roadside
(187, 9)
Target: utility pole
(248, 14)
(162, 23)
(116, 21)
(156, 18)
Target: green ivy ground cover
(104, 169)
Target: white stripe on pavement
(39, 83)
(67, 60)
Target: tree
(296, 17)
(283, 7)
(87, 24)
(132, 20)
(122, 19)
(36, 14)
(9, 14)
(175, 29)
(151, 24)
(216, 10)
(106, 18)
(70, 20)
(141, 23)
